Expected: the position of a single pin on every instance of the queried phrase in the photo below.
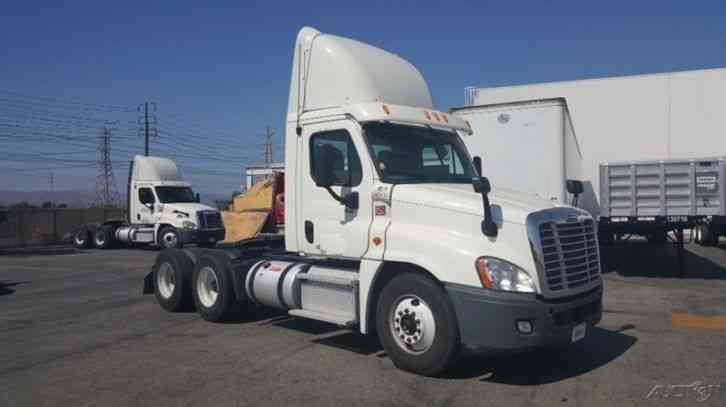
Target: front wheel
(169, 238)
(417, 325)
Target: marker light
(428, 115)
(386, 109)
(436, 116)
(443, 116)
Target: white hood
(507, 205)
(189, 208)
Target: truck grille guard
(565, 249)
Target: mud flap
(149, 283)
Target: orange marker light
(443, 116)
(386, 109)
(481, 269)
(436, 116)
(428, 116)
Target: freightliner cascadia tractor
(390, 229)
(162, 210)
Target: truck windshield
(410, 154)
(175, 194)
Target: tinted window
(346, 164)
(175, 194)
(146, 196)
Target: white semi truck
(390, 229)
(162, 209)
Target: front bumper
(488, 319)
(203, 235)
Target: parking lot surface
(75, 330)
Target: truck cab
(391, 229)
(162, 210)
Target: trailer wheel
(213, 288)
(82, 239)
(103, 237)
(708, 238)
(172, 280)
(169, 238)
(417, 325)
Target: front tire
(169, 238)
(172, 280)
(417, 325)
(213, 288)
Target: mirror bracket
(350, 200)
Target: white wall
(659, 116)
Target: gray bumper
(487, 318)
(203, 235)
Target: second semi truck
(390, 228)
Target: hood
(189, 208)
(507, 205)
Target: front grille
(570, 255)
(210, 220)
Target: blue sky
(219, 73)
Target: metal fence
(32, 227)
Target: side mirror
(574, 187)
(477, 165)
(149, 205)
(197, 198)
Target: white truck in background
(162, 209)
(391, 229)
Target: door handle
(309, 231)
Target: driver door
(328, 227)
(146, 203)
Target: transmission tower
(269, 158)
(106, 192)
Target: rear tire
(104, 238)
(169, 238)
(417, 325)
(82, 239)
(213, 287)
(172, 273)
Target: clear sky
(219, 71)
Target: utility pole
(147, 123)
(268, 147)
(52, 190)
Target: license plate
(578, 332)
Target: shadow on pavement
(6, 287)
(642, 259)
(542, 366)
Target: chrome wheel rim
(412, 324)
(165, 280)
(80, 240)
(169, 239)
(207, 287)
(100, 239)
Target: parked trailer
(390, 228)
(654, 197)
(162, 210)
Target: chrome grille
(210, 220)
(570, 254)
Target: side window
(146, 196)
(346, 167)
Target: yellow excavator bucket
(249, 212)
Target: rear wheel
(103, 238)
(172, 280)
(417, 325)
(82, 239)
(213, 288)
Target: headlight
(189, 225)
(502, 275)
